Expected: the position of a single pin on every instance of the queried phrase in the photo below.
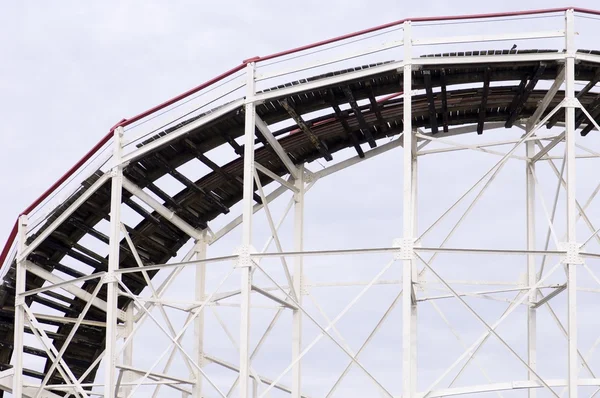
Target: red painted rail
(126, 122)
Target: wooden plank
(359, 116)
(182, 212)
(484, 99)
(36, 258)
(519, 94)
(317, 143)
(162, 226)
(235, 182)
(210, 197)
(520, 100)
(430, 101)
(376, 107)
(341, 117)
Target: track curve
(213, 194)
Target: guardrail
(229, 85)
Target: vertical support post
(19, 331)
(128, 376)
(199, 321)
(255, 387)
(409, 345)
(245, 262)
(298, 282)
(414, 270)
(531, 266)
(571, 204)
(113, 265)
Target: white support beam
(545, 102)
(478, 148)
(325, 331)
(72, 289)
(573, 361)
(245, 261)
(7, 381)
(235, 368)
(157, 375)
(548, 147)
(285, 158)
(69, 338)
(298, 280)
(19, 328)
(111, 278)
(357, 159)
(491, 329)
(514, 386)
(162, 210)
(238, 220)
(550, 296)
(128, 377)
(531, 261)
(274, 298)
(68, 320)
(200, 295)
(409, 305)
(274, 177)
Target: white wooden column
(244, 262)
(298, 276)
(113, 265)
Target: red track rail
(126, 122)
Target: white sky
(71, 70)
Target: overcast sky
(71, 70)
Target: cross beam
(316, 141)
(521, 97)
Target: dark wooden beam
(317, 143)
(521, 98)
(104, 238)
(590, 126)
(152, 245)
(579, 115)
(375, 107)
(237, 148)
(484, 99)
(359, 116)
(162, 226)
(89, 230)
(209, 196)
(168, 200)
(445, 114)
(431, 102)
(55, 306)
(341, 117)
(42, 260)
(519, 93)
(235, 182)
(60, 297)
(592, 109)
